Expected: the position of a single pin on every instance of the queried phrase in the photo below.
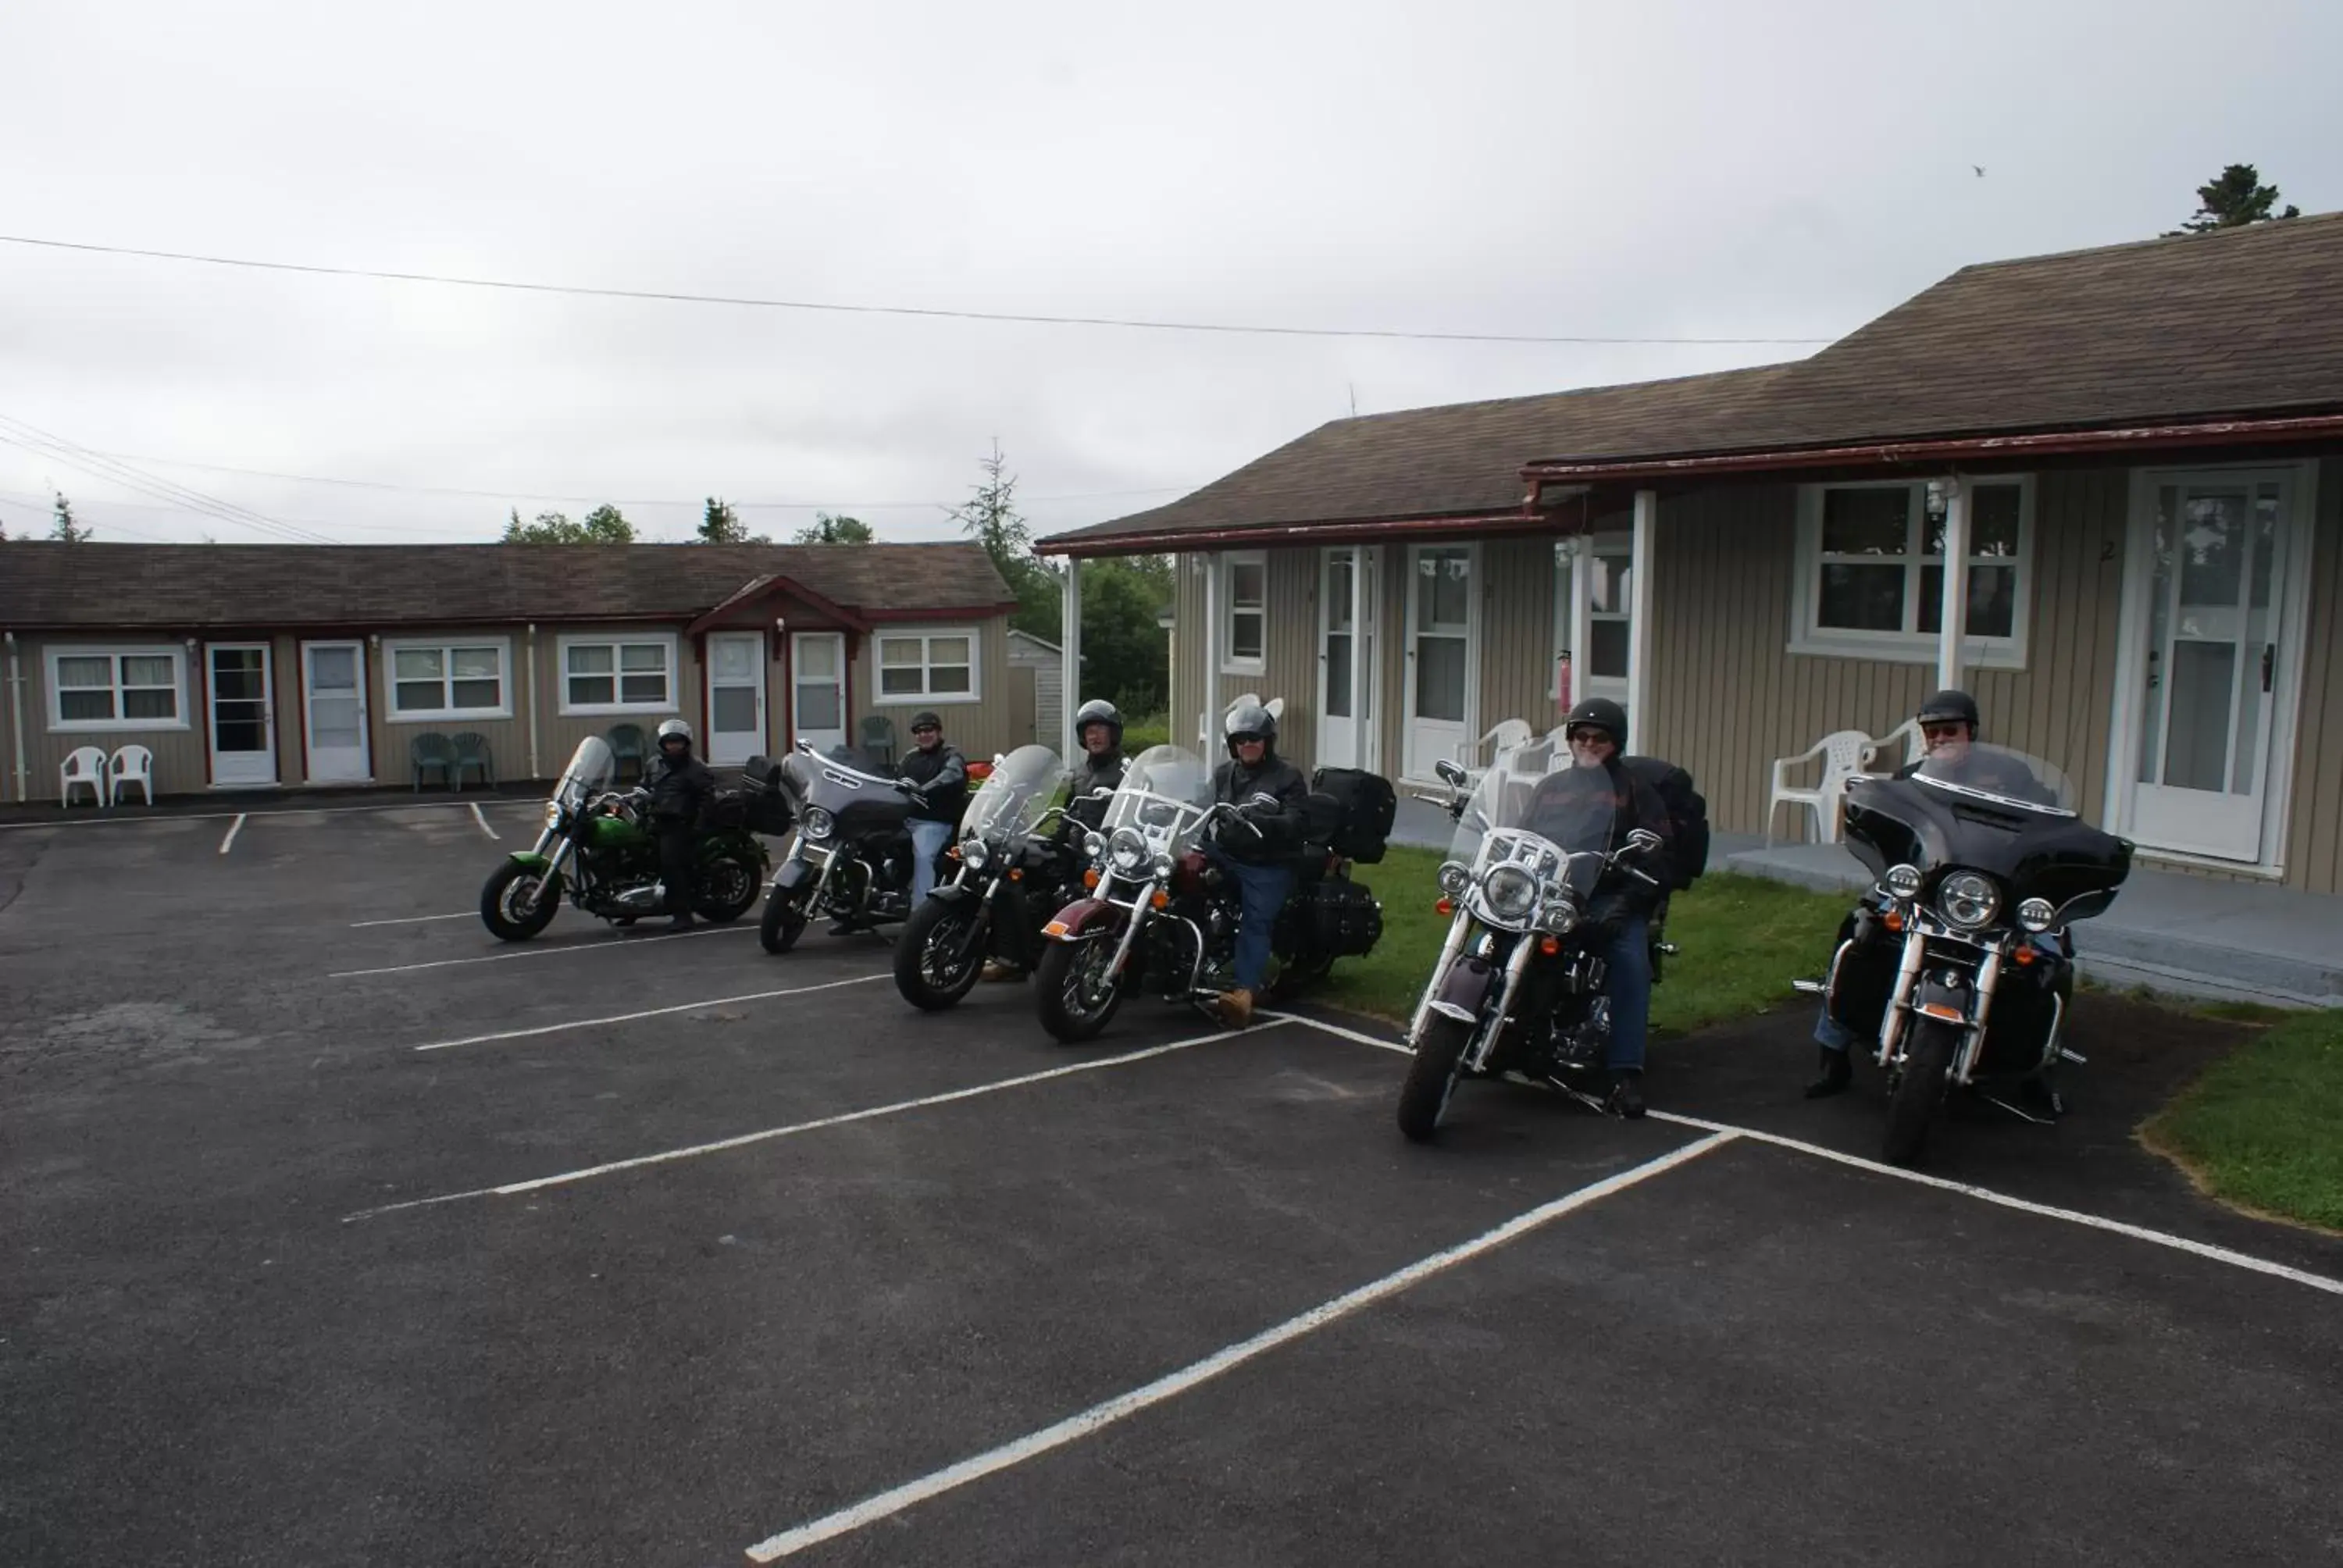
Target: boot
(1837, 1072)
(1627, 1093)
(1236, 1007)
(684, 920)
(843, 927)
(996, 971)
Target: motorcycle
(1160, 914)
(1959, 962)
(1014, 872)
(1518, 988)
(597, 846)
(849, 856)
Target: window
(617, 675)
(934, 666)
(1244, 612)
(441, 681)
(93, 689)
(1871, 571)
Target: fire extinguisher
(1562, 680)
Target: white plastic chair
(1916, 745)
(133, 764)
(1509, 732)
(84, 766)
(1844, 754)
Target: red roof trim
(1333, 531)
(780, 582)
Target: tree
(1126, 654)
(604, 525)
(65, 530)
(2236, 198)
(720, 524)
(990, 517)
(826, 529)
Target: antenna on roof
(1354, 398)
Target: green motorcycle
(597, 846)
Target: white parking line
(604, 947)
(1075, 1427)
(1921, 1177)
(651, 1013)
(135, 817)
(415, 920)
(482, 820)
(233, 830)
(770, 1133)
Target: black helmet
(1098, 710)
(1250, 721)
(674, 729)
(1949, 707)
(1602, 713)
(925, 719)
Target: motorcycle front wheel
(518, 902)
(1067, 989)
(728, 890)
(1432, 1079)
(1927, 1060)
(784, 921)
(939, 954)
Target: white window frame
(1231, 662)
(663, 640)
(445, 645)
(1910, 645)
(60, 725)
(881, 636)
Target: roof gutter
(1270, 535)
(1966, 449)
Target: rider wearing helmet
(1596, 731)
(680, 786)
(1268, 792)
(1098, 732)
(937, 777)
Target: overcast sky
(1664, 169)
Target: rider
(1596, 730)
(1949, 722)
(1268, 793)
(936, 775)
(1099, 730)
(680, 786)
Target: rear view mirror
(1102, 793)
(1450, 773)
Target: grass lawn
(2264, 1128)
(1744, 940)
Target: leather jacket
(678, 787)
(1279, 816)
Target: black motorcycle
(1160, 915)
(1518, 988)
(1959, 962)
(848, 858)
(1013, 874)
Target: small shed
(1047, 663)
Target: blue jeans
(1832, 1036)
(1262, 890)
(1629, 985)
(928, 841)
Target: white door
(334, 686)
(817, 676)
(2216, 551)
(1341, 669)
(244, 713)
(736, 697)
(1440, 662)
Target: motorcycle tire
(1432, 1079)
(784, 922)
(504, 888)
(1919, 1090)
(728, 890)
(1058, 982)
(928, 940)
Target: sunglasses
(1944, 731)
(1577, 736)
(928, 730)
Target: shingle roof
(2241, 321)
(99, 584)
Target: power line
(33, 439)
(678, 296)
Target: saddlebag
(1336, 919)
(1687, 816)
(1365, 804)
(727, 811)
(767, 811)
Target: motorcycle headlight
(553, 813)
(1560, 916)
(1127, 850)
(1162, 867)
(2035, 914)
(1903, 881)
(1454, 877)
(974, 854)
(1093, 845)
(1969, 899)
(818, 823)
(1510, 892)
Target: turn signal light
(1549, 946)
(1893, 920)
(1055, 929)
(1090, 878)
(1016, 876)
(1162, 901)
(1446, 907)
(2023, 956)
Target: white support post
(1070, 675)
(1639, 617)
(1582, 616)
(1210, 693)
(1955, 608)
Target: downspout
(1205, 736)
(16, 715)
(535, 772)
(1639, 616)
(1953, 610)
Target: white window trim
(881, 697)
(393, 646)
(663, 639)
(1912, 646)
(60, 725)
(1229, 663)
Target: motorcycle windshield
(2003, 777)
(1533, 791)
(1016, 796)
(591, 768)
(1165, 794)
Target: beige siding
(979, 728)
(2314, 856)
(559, 733)
(1516, 643)
(182, 756)
(393, 738)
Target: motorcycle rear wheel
(1927, 1059)
(1432, 1079)
(931, 970)
(1062, 983)
(505, 896)
(728, 890)
(784, 922)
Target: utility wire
(33, 439)
(678, 296)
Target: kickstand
(2014, 1110)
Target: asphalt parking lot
(338, 1231)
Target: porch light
(1936, 502)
